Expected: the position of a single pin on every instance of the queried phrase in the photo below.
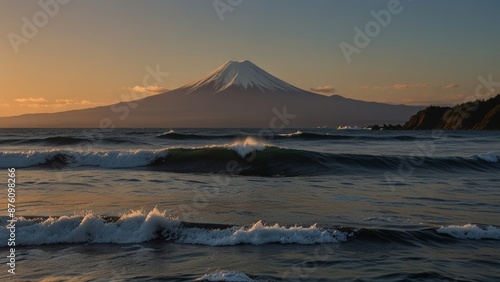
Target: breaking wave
(471, 231)
(140, 226)
(248, 157)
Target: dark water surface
(240, 205)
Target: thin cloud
(401, 86)
(149, 89)
(451, 85)
(44, 103)
(4, 105)
(328, 89)
(31, 99)
(408, 86)
(73, 102)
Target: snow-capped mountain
(243, 75)
(237, 94)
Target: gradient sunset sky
(91, 52)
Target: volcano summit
(243, 75)
(237, 94)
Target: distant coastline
(476, 115)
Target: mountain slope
(237, 94)
(243, 75)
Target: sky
(58, 55)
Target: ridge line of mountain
(235, 95)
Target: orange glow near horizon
(74, 61)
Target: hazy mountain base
(260, 110)
(478, 115)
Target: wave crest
(471, 231)
(139, 226)
(489, 157)
(246, 157)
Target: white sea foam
(167, 132)
(140, 226)
(298, 132)
(491, 157)
(226, 276)
(348, 127)
(247, 146)
(471, 231)
(134, 227)
(259, 234)
(111, 159)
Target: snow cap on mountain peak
(243, 75)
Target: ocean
(250, 205)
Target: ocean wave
(139, 226)
(190, 136)
(63, 140)
(61, 158)
(247, 146)
(326, 136)
(313, 136)
(54, 140)
(471, 231)
(298, 135)
(258, 159)
(489, 157)
(247, 157)
(259, 234)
